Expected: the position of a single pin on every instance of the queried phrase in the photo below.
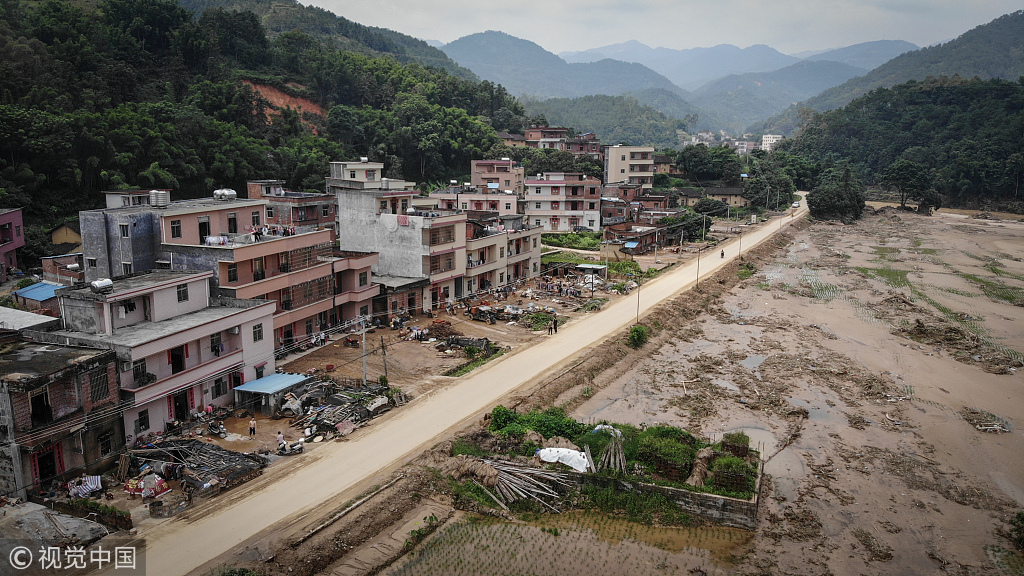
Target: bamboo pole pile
(524, 482)
(613, 457)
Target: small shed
(41, 295)
(265, 394)
(597, 269)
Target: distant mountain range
(692, 67)
(523, 67)
(993, 50)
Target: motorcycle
(351, 342)
(286, 449)
(218, 429)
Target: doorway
(288, 336)
(181, 405)
(177, 359)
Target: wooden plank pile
(613, 457)
(516, 482)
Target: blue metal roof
(631, 244)
(273, 383)
(39, 292)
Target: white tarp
(610, 429)
(573, 458)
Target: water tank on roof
(364, 159)
(225, 194)
(159, 198)
(102, 286)
(73, 266)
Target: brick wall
(110, 368)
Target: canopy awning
(273, 383)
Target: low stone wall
(731, 512)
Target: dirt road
(325, 479)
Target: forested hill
(615, 119)
(280, 16)
(140, 93)
(964, 135)
(993, 50)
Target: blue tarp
(273, 383)
(631, 244)
(39, 292)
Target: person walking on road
(252, 427)
(551, 327)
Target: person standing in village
(551, 327)
(554, 322)
(252, 427)
(280, 438)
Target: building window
(325, 210)
(256, 219)
(534, 242)
(309, 326)
(139, 369)
(364, 310)
(536, 205)
(593, 205)
(352, 174)
(257, 332)
(215, 343)
(464, 205)
(364, 278)
(442, 235)
(126, 268)
(501, 252)
(270, 212)
(106, 443)
(507, 183)
(501, 277)
(143, 422)
(508, 205)
(98, 387)
(182, 292)
(175, 228)
(91, 262)
(220, 387)
(590, 223)
(259, 372)
(536, 222)
(232, 272)
(534, 267)
(17, 230)
(258, 272)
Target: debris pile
(202, 465)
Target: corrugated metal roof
(273, 383)
(631, 244)
(39, 292)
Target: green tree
(711, 207)
(838, 196)
(908, 179)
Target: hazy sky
(786, 25)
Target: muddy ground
(862, 358)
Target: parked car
(796, 204)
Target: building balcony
(266, 285)
(227, 362)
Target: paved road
(331, 473)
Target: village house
(293, 267)
(178, 348)
(298, 212)
(58, 412)
(430, 255)
(633, 164)
(504, 175)
(11, 238)
(65, 269)
(564, 202)
(472, 197)
(67, 238)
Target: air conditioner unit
(234, 330)
(126, 366)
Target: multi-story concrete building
(585, 145)
(429, 257)
(547, 137)
(65, 269)
(314, 289)
(457, 198)
(768, 141)
(632, 164)
(498, 175)
(499, 251)
(294, 211)
(12, 237)
(178, 348)
(563, 202)
(413, 245)
(59, 412)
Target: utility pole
(384, 354)
(362, 322)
